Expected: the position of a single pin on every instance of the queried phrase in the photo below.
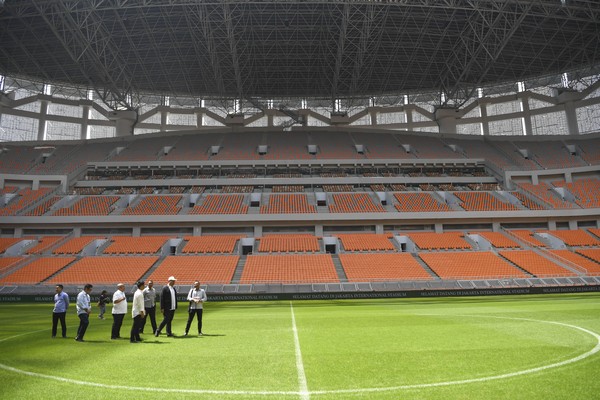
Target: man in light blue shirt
(84, 308)
(61, 303)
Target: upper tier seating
(585, 192)
(527, 237)
(306, 268)
(595, 232)
(8, 262)
(535, 264)
(43, 208)
(43, 244)
(75, 245)
(105, 270)
(5, 243)
(577, 237)
(381, 145)
(551, 154)
(593, 254)
(470, 265)
(439, 241)
(135, 245)
(37, 270)
(187, 269)
(545, 193)
(354, 203)
(498, 240)
(288, 243)
(592, 267)
(527, 202)
(239, 146)
(287, 146)
(89, 205)
(481, 149)
(366, 242)
(288, 204)
(483, 201)
(210, 244)
(511, 151)
(155, 205)
(146, 149)
(221, 204)
(335, 145)
(590, 151)
(193, 147)
(428, 147)
(382, 267)
(419, 202)
(24, 199)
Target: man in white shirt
(196, 297)
(137, 313)
(118, 311)
(168, 305)
(149, 306)
(84, 308)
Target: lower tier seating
(105, 270)
(307, 268)
(187, 269)
(470, 265)
(382, 266)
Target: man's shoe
(157, 333)
(78, 340)
(170, 335)
(185, 334)
(200, 334)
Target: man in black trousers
(168, 305)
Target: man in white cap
(118, 311)
(168, 305)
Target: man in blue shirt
(84, 308)
(61, 303)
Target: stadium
(382, 199)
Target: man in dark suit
(168, 305)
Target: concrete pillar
(568, 99)
(164, 116)
(526, 116)
(124, 122)
(373, 114)
(42, 120)
(319, 230)
(485, 126)
(77, 232)
(446, 119)
(439, 228)
(552, 225)
(136, 231)
(199, 119)
(572, 225)
(197, 231)
(85, 123)
(568, 177)
(18, 232)
(379, 229)
(496, 227)
(409, 119)
(258, 231)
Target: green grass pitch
(501, 347)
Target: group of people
(143, 308)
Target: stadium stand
(306, 268)
(193, 147)
(545, 194)
(37, 270)
(89, 205)
(75, 245)
(135, 245)
(527, 202)
(287, 204)
(5, 243)
(221, 204)
(105, 270)
(288, 243)
(155, 205)
(527, 237)
(210, 244)
(418, 202)
(287, 146)
(535, 264)
(335, 146)
(498, 240)
(146, 149)
(585, 191)
(8, 262)
(354, 203)
(439, 241)
(25, 198)
(577, 237)
(187, 269)
(43, 243)
(382, 267)
(366, 242)
(591, 267)
(470, 265)
(482, 201)
(592, 254)
(42, 208)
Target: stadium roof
(264, 49)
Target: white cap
(171, 278)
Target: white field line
(302, 385)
